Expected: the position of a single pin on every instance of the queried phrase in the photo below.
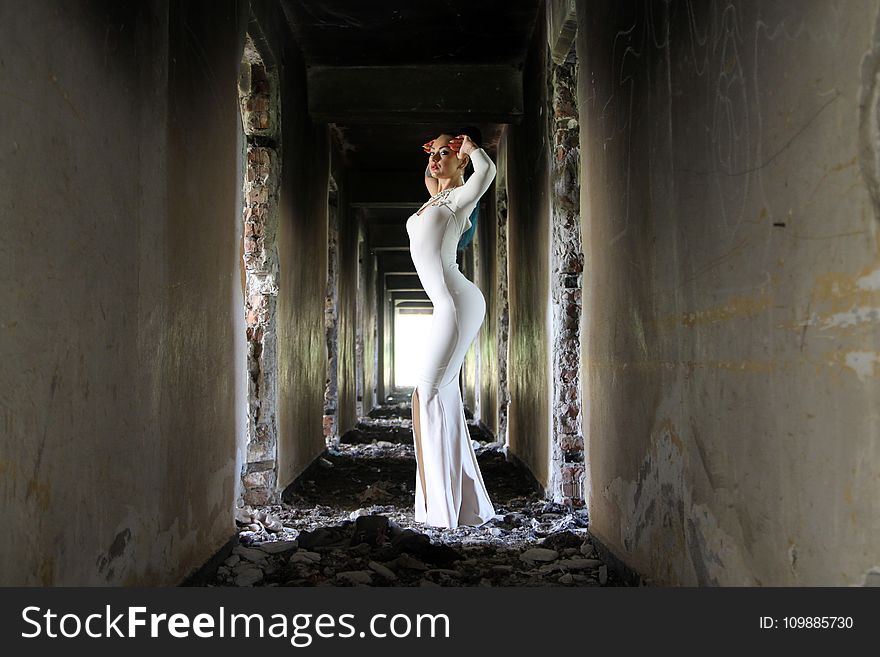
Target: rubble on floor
(348, 521)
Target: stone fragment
(231, 560)
(539, 554)
(355, 576)
(273, 525)
(250, 554)
(325, 537)
(579, 563)
(304, 556)
(566, 579)
(603, 574)
(243, 515)
(385, 553)
(384, 571)
(409, 540)
(248, 576)
(371, 529)
(277, 547)
(360, 550)
(406, 561)
(561, 540)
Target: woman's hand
(462, 145)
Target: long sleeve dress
(449, 485)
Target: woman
(449, 486)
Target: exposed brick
(257, 496)
(263, 479)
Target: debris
(277, 547)
(248, 576)
(348, 521)
(384, 571)
(304, 556)
(355, 576)
(539, 554)
(371, 529)
(249, 553)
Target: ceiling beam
(431, 93)
(403, 282)
(409, 296)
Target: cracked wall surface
(729, 215)
(123, 329)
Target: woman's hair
(477, 137)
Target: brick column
(567, 447)
(502, 307)
(259, 112)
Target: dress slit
(417, 434)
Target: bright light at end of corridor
(410, 332)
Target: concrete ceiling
(388, 76)
(395, 33)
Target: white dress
(449, 485)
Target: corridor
(211, 314)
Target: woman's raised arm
(478, 183)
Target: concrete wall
(528, 243)
(731, 288)
(122, 331)
(369, 329)
(348, 272)
(302, 252)
(486, 276)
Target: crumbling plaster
(732, 305)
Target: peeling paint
(869, 281)
(862, 363)
(853, 317)
(684, 540)
(872, 577)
